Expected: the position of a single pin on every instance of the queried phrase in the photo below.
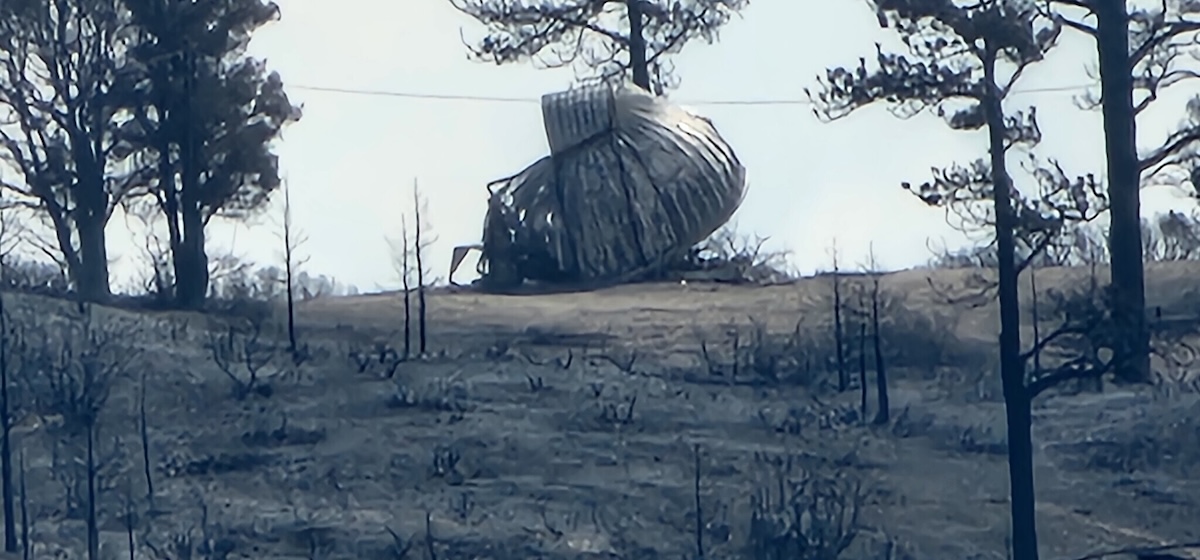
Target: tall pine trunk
(192, 285)
(1012, 371)
(637, 46)
(1124, 181)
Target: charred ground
(571, 425)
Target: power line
(527, 100)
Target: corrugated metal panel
(631, 181)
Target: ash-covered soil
(571, 426)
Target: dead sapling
(430, 542)
(859, 313)
(536, 383)
(804, 515)
(862, 367)
(422, 241)
(879, 303)
(618, 413)
(843, 379)
(9, 341)
(129, 519)
(144, 436)
(186, 543)
(445, 465)
(81, 362)
(241, 352)
(292, 239)
(402, 261)
(26, 520)
(699, 509)
(361, 359)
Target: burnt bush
(807, 516)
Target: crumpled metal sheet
(630, 183)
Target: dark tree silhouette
(292, 238)
(601, 39)
(955, 51)
(8, 346)
(422, 240)
(878, 300)
(403, 257)
(205, 117)
(1142, 50)
(60, 141)
(839, 331)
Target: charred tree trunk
(883, 414)
(405, 284)
(26, 522)
(93, 528)
(192, 262)
(1124, 177)
(6, 466)
(419, 257)
(637, 46)
(839, 342)
(92, 279)
(290, 294)
(862, 369)
(1012, 370)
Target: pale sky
(351, 161)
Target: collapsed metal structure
(631, 183)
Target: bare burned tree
(292, 238)
(144, 437)
(605, 39)
(862, 355)
(839, 335)
(955, 53)
(421, 242)
(8, 344)
(402, 257)
(878, 303)
(26, 522)
(241, 351)
(70, 372)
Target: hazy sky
(352, 160)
